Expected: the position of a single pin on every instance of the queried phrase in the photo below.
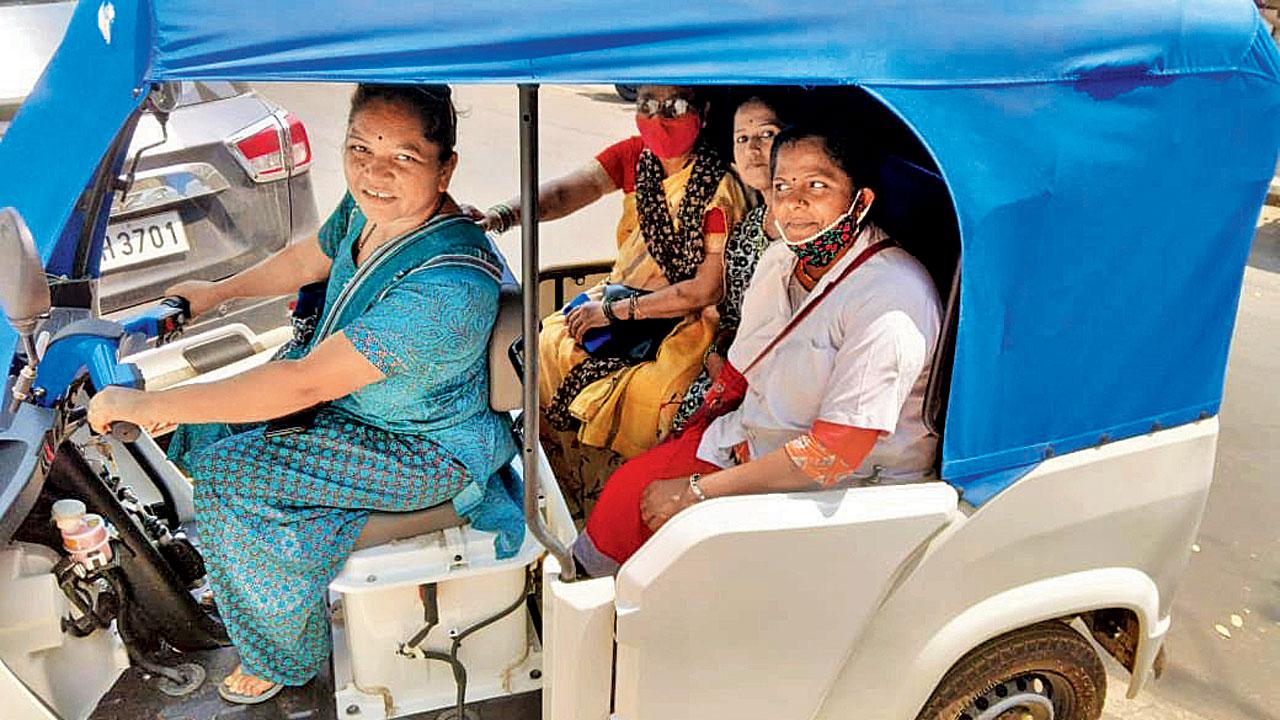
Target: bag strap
(796, 319)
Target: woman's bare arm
(566, 194)
(702, 290)
(705, 288)
(333, 369)
(774, 472)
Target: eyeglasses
(670, 108)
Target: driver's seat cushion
(383, 527)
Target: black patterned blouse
(741, 252)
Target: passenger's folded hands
(662, 499)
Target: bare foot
(242, 683)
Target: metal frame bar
(577, 272)
(529, 280)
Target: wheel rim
(1026, 697)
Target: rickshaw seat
(506, 389)
(384, 527)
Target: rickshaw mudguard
(1109, 527)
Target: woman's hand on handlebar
(201, 295)
(117, 404)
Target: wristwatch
(695, 488)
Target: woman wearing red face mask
(679, 204)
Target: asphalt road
(1237, 569)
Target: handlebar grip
(126, 432)
(181, 304)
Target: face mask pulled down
(820, 249)
(669, 137)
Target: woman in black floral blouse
(757, 119)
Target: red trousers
(615, 527)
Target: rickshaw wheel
(1042, 672)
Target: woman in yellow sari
(679, 204)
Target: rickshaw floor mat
(136, 695)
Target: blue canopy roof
(1107, 159)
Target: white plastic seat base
(378, 606)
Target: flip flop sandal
(232, 696)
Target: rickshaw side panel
(746, 607)
(578, 651)
(1109, 527)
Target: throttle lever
(125, 432)
(121, 430)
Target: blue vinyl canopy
(1107, 159)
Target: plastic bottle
(84, 535)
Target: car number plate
(143, 239)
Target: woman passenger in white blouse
(825, 381)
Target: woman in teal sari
(397, 369)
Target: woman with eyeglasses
(679, 204)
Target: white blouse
(860, 358)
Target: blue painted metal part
(91, 346)
(159, 321)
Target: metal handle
(529, 279)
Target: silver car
(214, 187)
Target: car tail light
(258, 147)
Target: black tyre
(627, 92)
(1043, 672)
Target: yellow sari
(631, 410)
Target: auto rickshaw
(1086, 198)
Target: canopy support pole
(529, 282)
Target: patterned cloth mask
(819, 249)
